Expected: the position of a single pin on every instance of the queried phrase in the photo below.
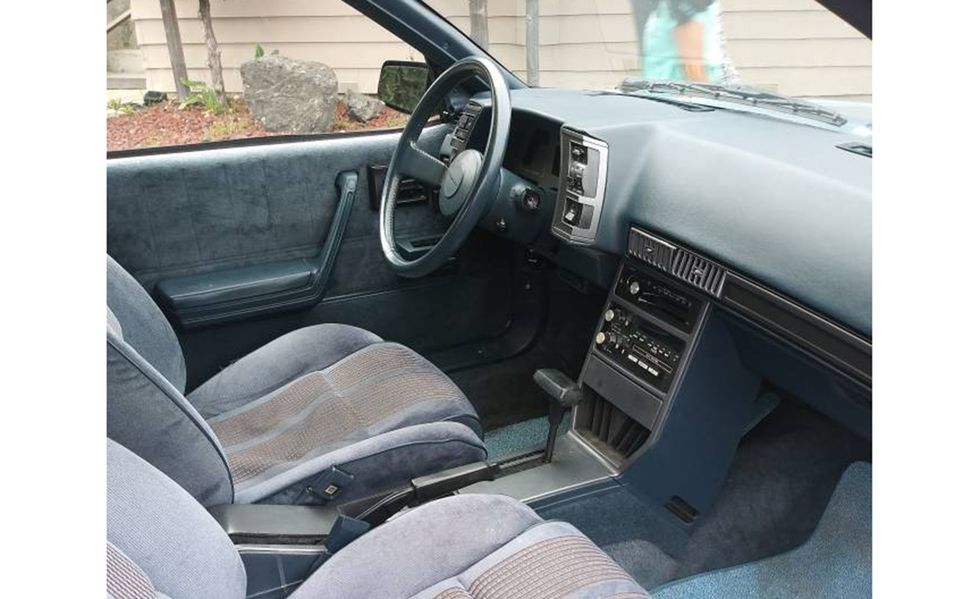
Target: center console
(641, 346)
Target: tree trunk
(479, 31)
(174, 47)
(531, 16)
(214, 55)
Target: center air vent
(698, 271)
(652, 251)
(683, 264)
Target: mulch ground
(167, 124)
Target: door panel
(256, 208)
(186, 213)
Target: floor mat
(783, 476)
(504, 393)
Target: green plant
(120, 106)
(259, 52)
(225, 128)
(203, 95)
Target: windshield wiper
(690, 106)
(741, 95)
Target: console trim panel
(586, 200)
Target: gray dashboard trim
(774, 200)
(788, 319)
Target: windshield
(794, 48)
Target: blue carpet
(834, 562)
(780, 484)
(523, 436)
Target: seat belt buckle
(331, 483)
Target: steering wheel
(467, 186)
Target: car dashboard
(689, 217)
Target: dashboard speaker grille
(698, 271)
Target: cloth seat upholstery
(319, 399)
(161, 542)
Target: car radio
(640, 347)
(673, 306)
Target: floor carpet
(522, 436)
(782, 478)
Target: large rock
(289, 95)
(362, 108)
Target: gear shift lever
(563, 394)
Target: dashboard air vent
(683, 264)
(652, 251)
(703, 274)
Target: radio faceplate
(666, 302)
(645, 350)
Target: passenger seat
(160, 541)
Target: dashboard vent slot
(652, 251)
(700, 272)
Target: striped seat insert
(330, 408)
(549, 569)
(124, 579)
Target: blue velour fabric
(143, 325)
(164, 531)
(377, 464)
(835, 562)
(430, 427)
(447, 544)
(148, 415)
(276, 364)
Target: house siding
(795, 47)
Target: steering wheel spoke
(422, 166)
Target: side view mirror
(402, 83)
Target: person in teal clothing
(682, 40)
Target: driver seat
(325, 412)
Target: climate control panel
(640, 347)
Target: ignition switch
(527, 198)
